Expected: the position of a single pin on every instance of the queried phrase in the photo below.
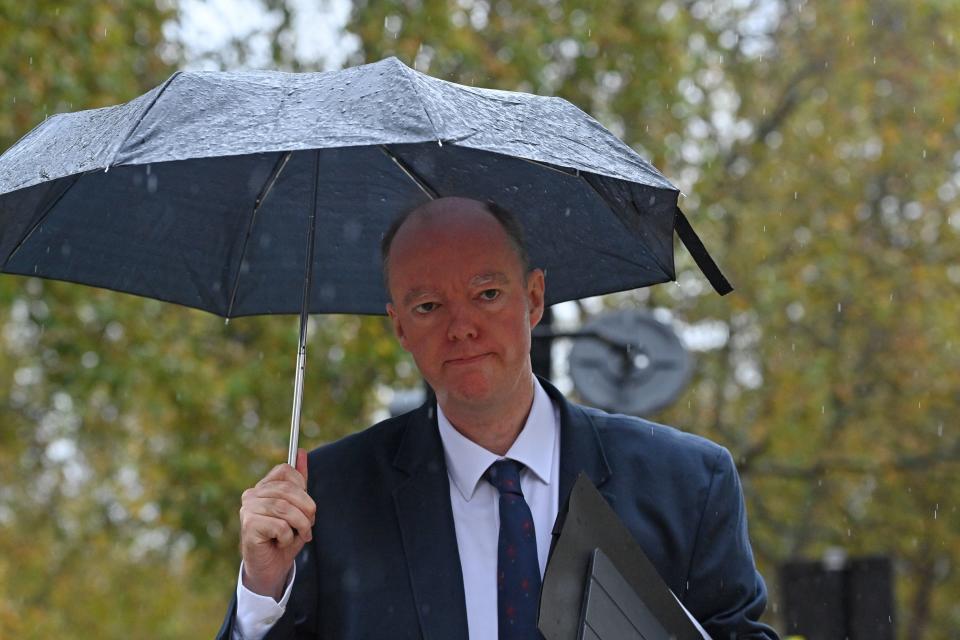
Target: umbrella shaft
(297, 398)
(304, 311)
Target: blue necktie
(518, 572)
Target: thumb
(302, 462)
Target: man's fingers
(284, 472)
(283, 491)
(282, 533)
(259, 528)
(278, 509)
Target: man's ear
(397, 326)
(536, 287)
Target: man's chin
(472, 392)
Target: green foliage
(128, 427)
(816, 146)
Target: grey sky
(209, 25)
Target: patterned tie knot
(505, 476)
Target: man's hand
(276, 517)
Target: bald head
(460, 217)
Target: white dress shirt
(476, 518)
(475, 502)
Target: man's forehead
(496, 277)
(448, 234)
(451, 226)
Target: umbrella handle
(297, 398)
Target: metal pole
(304, 312)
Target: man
(412, 527)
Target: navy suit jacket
(384, 563)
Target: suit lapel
(580, 448)
(581, 451)
(422, 502)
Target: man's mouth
(467, 359)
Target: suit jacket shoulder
(681, 497)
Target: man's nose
(463, 324)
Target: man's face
(462, 307)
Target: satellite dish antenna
(629, 362)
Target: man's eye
(425, 307)
(490, 294)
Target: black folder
(600, 585)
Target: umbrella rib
(39, 222)
(413, 80)
(267, 187)
(573, 172)
(407, 169)
(143, 115)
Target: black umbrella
(265, 192)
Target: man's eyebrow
(415, 293)
(486, 278)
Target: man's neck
(494, 430)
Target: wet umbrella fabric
(254, 192)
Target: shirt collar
(467, 461)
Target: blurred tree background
(816, 143)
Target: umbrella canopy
(214, 190)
